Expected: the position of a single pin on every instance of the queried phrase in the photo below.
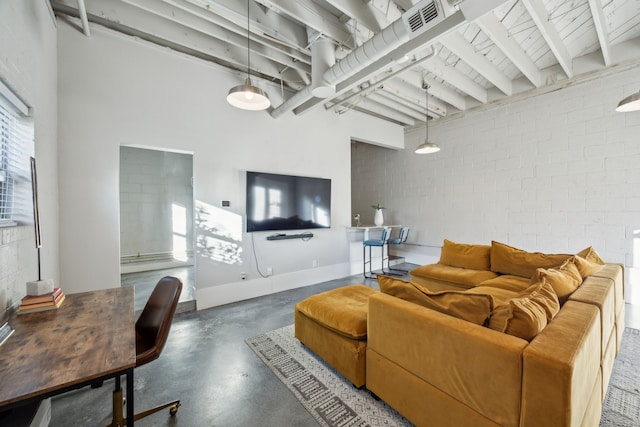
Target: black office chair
(399, 240)
(152, 330)
(381, 243)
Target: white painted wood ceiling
(512, 49)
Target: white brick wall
(15, 265)
(151, 181)
(556, 172)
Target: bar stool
(381, 243)
(399, 240)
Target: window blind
(16, 148)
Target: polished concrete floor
(207, 365)
(145, 281)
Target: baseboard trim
(152, 266)
(227, 293)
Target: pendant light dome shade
(426, 147)
(630, 103)
(248, 97)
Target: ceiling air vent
(422, 16)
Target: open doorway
(156, 221)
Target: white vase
(378, 219)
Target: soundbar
(290, 236)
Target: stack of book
(33, 304)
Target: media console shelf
(290, 236)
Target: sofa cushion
(509, 260)
(473, 257)
(500, 296)
(527, 314)
(460, 276)
(565, 279)
(474, 308)
(343, 310)
(507, 281)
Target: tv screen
(285, 202)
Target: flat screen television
(285, 202)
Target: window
(16, 148)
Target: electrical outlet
(314, 263)
(269, 271)
(243, 275)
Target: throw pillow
(474, 308)
(526, 315)
(585, 267)
(590, 254)
(474, 257)
(506, 259)
(588, 262)
(564, 279)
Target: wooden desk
(91, 337)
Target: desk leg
(130, 410)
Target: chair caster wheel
(174, 409)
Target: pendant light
(427, 147)
(248, 96)
(630, 103)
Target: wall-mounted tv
(285, 202)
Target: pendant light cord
(248, 43)
(426, 109)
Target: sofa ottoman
(333, 324)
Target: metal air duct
(323, 57)
(420, 18)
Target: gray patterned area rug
(333, 401)
(622, 403)
(330, 398)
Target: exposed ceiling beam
(365, 13)
(381, 98)
(381, 12)
(273, 25)
(257, 31)
(414, 81)
(205, 27)
(415, 95)
(408, 102)
(557, 85)
(435, 108)
(381, 110)
(540, 16)
(309, 13)
(457, 44)
(601, 29)
(493, 28)
(403, 4)
(456, 78)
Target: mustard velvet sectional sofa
(493, 335)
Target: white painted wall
(554, 173)
(117, 90)
(28, 65)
